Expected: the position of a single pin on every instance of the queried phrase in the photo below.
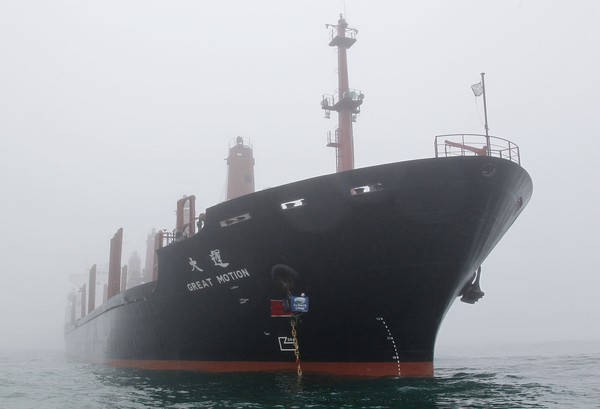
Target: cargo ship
(349, 273)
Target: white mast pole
(487, 134)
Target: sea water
(559, 375)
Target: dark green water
(562, 376)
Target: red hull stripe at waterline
(331, 368)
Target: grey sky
(112, 110)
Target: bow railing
(476, 145)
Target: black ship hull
(381, 252)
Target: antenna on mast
(347, 102)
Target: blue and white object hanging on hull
(296, 304)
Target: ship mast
(347, 102)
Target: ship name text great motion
(218, 279)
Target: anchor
(471, 292)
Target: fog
(110, 111)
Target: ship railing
(333, 141)
(333, 138)
(240, 141)
(346, 41)
(476, 145)
(163, 238)
(353, 97)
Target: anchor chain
(296, 346)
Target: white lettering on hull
(232, 275)
(200, 284)
(220, 279)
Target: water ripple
(49, 380)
